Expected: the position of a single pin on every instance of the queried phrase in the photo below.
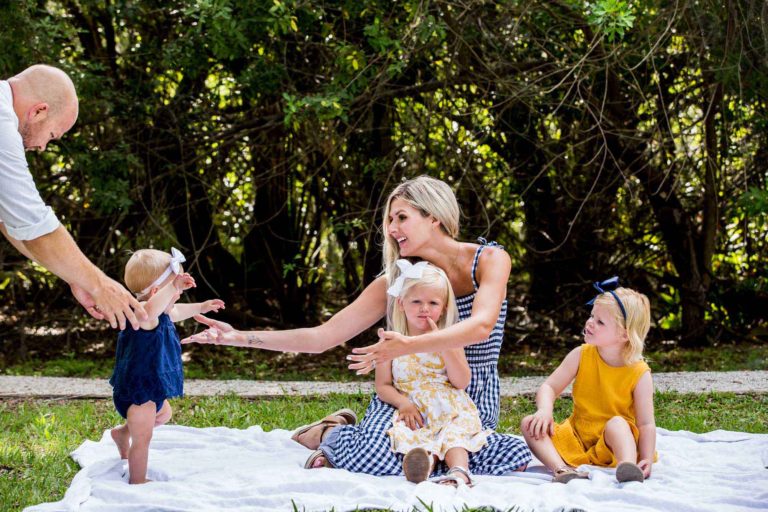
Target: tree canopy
(590, 138)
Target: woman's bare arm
(361, 314)
(493, 272)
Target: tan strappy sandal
(348, 417)
(565, 474)
(310, 463)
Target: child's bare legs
(164, 414)
(619, 438)
(457, 457)
(122, 439)
(141, 421)
(122, 436)
(544, 450)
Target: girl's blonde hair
(143, 267)
(432, 277)
(638, 321)
(432, 198)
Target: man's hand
(115, 304)
(85, 300)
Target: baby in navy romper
(148, 367)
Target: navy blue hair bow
(608, 286)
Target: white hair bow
(173, 267)
(408, 270)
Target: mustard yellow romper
(600, 392)
(451, 419)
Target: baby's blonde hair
(638, 321)
(143, 267)
(432, 276)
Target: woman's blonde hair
(432, 198)
(143, 267)
(637, 323)
(432, 277)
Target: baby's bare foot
(121, 437)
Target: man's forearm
(59, 253)
(18, 244)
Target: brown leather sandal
(629, 472)
(336, 418)
(417, 465)
(310, 463)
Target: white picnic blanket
(201, 469)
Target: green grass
(36, 436)
(206, 362)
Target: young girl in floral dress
(435, 418)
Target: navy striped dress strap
(483, 244)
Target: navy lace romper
(147, 366)
(366, 448)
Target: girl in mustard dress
(612, 423)
(435, 418)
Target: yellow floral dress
(450, 417)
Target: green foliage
(264, 136)
(613, 17)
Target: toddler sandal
(629, 472)
(417, 465)
(452, 477)
(310, 463)
(565, 474)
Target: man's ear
(38, 112)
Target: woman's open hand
(391, 344)
(218, 333)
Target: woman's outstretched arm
(365, 311)
(493, 272)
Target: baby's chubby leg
(141, 421)
(122, 438)
(164, 414)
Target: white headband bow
(408, 270)
(173, 267)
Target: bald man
(37, 106)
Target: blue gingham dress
(366, 448)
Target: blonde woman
(421, 222)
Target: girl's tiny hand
(411, 416)
(212, 305)
(184, 281)
(645, 465)
(540, 425)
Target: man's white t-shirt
(22, 210)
